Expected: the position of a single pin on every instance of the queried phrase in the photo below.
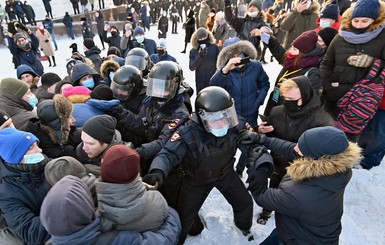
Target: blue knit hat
(138, 31)
(21, 69)
(366, 8)
(231, 41)
(14, 144)
(322, 141)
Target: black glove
(117, 112)
(249, 138)
(11, 28)
(258, 181)
(254, 154)
(156, 176)
(23, 27)
(203, 52)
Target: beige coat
(46, 46)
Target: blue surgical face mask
(33, 158)
(89, 83)
(324, 23)
(111, 75)
(33, 101)
(219, 132)
(139, 39)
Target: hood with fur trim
(306, 168)
(228, 52)
(194, 39)
(347, 18)
(107, 66)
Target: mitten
(258, 181)
(361, 60)
(156, 176)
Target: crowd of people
(116, 152)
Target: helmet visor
(161, 88)
(137, 61)
(121, 92)
(219, 119)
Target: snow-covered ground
(364, 218)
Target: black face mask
(206, 40)
(291, 105)
(359, 30)
(114, 33)
(161, 51)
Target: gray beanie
(57, 168)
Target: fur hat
(101, 128)
(366, 8)
(306, 42)
(322, 141)
(102, 92)
(120, 164)
(14, 144)
(88, 43)
(14, 87)
(327, 34)
(331, 11)
(57, 168)
(53, 115)
(48, 79)
(256, 3)
(138, 31)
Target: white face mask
(252, 14)
(324, 23)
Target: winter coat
(221, 32)
(48, 25)
(87, 31)
(149, 46)
(296, 23)
(247, 85)
(204, 67)
(147, 209)
(338, 76)
(203, 14)
(308, 69)
(19, 110)
(189, 26)
(113, 41)
(45, 42)
(92, 107)
(155, 58)
(126, 44)
(29, 12)
(67, 20)
(94, 55)
(100, 23)
(163, 27)
(21, 195)
(30, 57)
(42, 94)
(309, 201)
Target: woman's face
(293, 50)
(361, 22)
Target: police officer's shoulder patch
(174, 124)
(175, 136)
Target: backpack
(359, 105)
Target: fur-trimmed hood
(306, 168)
(194, 39)
(107, 66)
(347, 18)
(228, 52)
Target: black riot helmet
(216, 111)
(127, 81)
(139, 58)
(164, 80)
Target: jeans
(372, 140)
(53, 39)
(70, 32)
(273, 239)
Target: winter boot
(49, 60)
(248, 234)
(264, 217)
(54, 61)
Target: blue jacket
(21, 196)
(93, 107)
(148, 44)
(155, 58)
(30, 57)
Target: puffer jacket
(94, 55)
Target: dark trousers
(273, 239)
(76, 8)
(195, 191)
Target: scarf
(304, 62)
(354, 38)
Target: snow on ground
(364, 218)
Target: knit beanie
(231, 41)
(138, 31)
(162, 44)
(22, 69)
(101, 128)
(322, 141)
(120, 164)
(256, 3)
(114, 50)
(14, 87)
(57, 168)
(14, 144)
(366, 8)
(68, 207)
(306, 42)
(88, 43)
(331, 11)
(102, 92)
(48, 79)
(77, 94)
(3, 117)
(327, 35)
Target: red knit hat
(120, 164)
(306, 42)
